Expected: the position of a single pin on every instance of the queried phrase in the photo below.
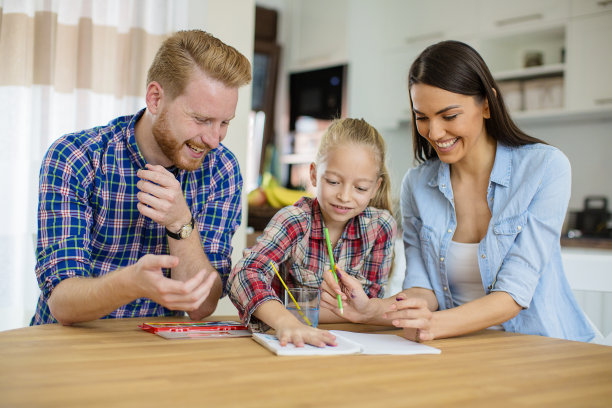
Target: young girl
(482, 215)
(352, 201)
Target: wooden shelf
(549, 116)
(530, 72)
(561, 115)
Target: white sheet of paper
(372, 343)
(270, 342)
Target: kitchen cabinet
(589, 62)
(384, 39)
(410, 22)
(318, 34)
(380, 39)
(589, 273)
(586, 7)
(499, 15)
(528, 86)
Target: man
(136, 217)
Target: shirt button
(441, 259)
(450, 230)
(445, 289)
(443, 186)
(519, 228)
(483, 256)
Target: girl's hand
(355, 302)
(413, 315)
(290, 330)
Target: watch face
(186, 231)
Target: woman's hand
(355, 302)
(290, 330)
(413, 315)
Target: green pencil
(333, 266)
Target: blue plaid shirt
(88, 223)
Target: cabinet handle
(604, 3)
(437, 35)
(520, 19)
(603, 101)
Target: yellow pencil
(289, 292)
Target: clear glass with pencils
(308, 301)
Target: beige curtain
(65, 65)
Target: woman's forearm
(478, 314)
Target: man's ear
(154, 97)
(313, 174)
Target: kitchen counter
(593, 243)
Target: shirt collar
(352, 230)
(500, 174)
(130, 136)
(502, 167)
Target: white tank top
(463, 274)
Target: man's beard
(170, 147)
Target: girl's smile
(345, 183)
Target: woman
(482, 216)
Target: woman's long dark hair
(456, 67)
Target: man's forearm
(192, 259)
(78, 299)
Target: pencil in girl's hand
(333, 266)
(299, 310)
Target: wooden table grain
(112, 363)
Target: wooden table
(112, 363)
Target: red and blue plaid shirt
(88, 222)
(295, 241)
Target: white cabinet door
(378, 89)
(521, 14)
(584, 7)
(319, 34)
(415, 21)
(589, 62)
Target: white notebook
(349, 343)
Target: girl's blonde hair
(360, 132)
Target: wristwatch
(184, 232)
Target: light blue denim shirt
(528, 194)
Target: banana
(272, 200)
(279, 196)
(285, 196)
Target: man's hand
(161, 199)
(150, 282)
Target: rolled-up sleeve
(64, 217)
